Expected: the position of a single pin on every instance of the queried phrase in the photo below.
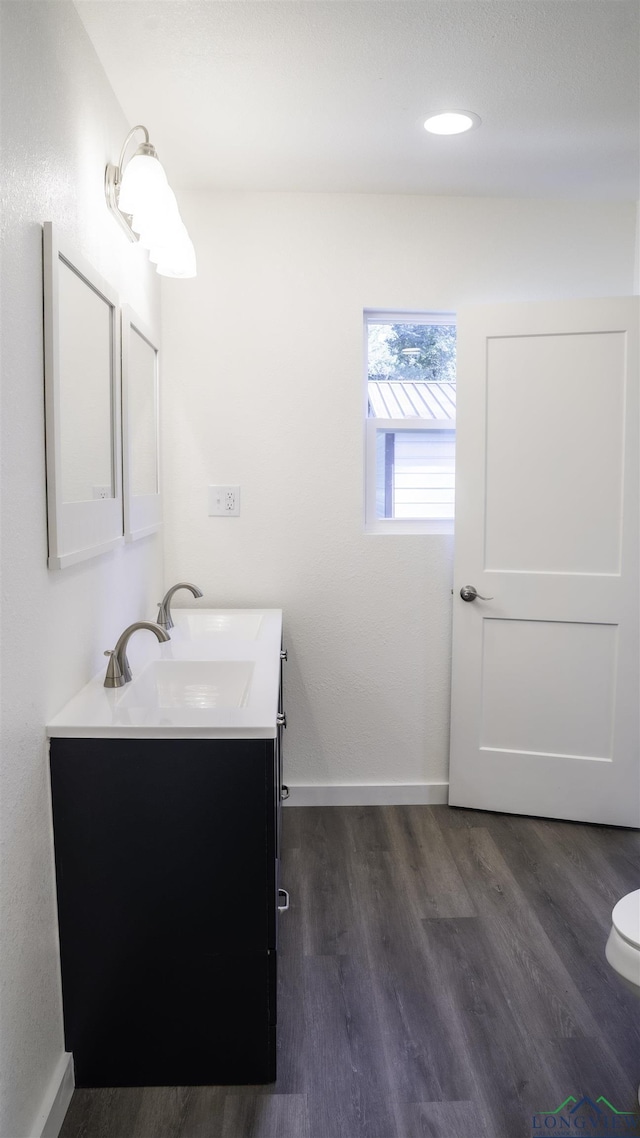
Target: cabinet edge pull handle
(281, 719)
(283, 654)
(283, 893)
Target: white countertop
(217, 678)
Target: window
(411, 420)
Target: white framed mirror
(140, 427)
(82, 406)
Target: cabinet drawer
(172, 1020)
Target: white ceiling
(326, 95)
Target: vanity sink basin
(173, 684)
(216, 678)
(243, 625)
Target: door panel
(553, 506)
(164, 842)
(545, 670)
(548, 687)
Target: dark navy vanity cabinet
(167, 876)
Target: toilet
(623, 945)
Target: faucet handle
(164, 618)
(114, 677)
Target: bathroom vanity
(166, 804)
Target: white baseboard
(55, 1103)
(386, 794)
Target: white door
(545, 683)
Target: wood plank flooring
(441, 975)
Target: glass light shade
(160, 224)
(143, 184)
(145, 196)
(171, 240)
(177, 261)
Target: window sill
(396, 527)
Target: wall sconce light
(140, 197)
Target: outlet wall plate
(224, 501)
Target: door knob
(469, 593)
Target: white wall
(60, 125)
(263, 386)
(637, 257)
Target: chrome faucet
(164, 608)
(118, 670)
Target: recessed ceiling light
(452, 122)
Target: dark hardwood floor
(441, 975)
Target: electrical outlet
(102, 492)
(224, 501)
